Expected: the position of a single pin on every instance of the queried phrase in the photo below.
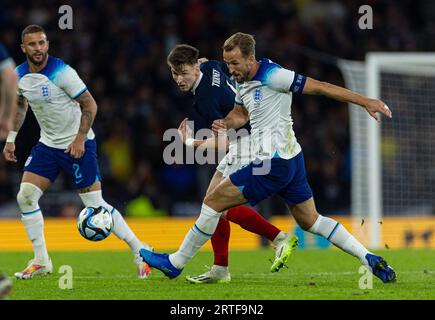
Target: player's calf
(120, 228)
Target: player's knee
(304, 217)
(211, 198)
(306, 221)
(304, 225)
(28, 197)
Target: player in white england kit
(264, 95)
(65, 111)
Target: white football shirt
(268, 99)
(51, 93)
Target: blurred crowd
(119, 49)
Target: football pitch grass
(311, 274)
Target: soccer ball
(95, 224)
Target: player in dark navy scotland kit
(8, 91)
(213, 94)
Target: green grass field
(312, 274)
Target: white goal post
(393, 163)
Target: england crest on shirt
(258, 95)
(45, 91)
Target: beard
(241, 78)
(35, 62)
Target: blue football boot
(380, 268)
(161, 262)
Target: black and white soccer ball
(95, 224)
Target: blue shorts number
(76, 168)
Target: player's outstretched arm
(18, 120)
(338, 93)
(89, 111)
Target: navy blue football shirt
(214, 95)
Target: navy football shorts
(285, 177)
(47, 162)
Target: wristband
(11, 136)
(190, 142)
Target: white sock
(120, 227)
(339, 236)
(123, 232)
(279, 237)
(221, 270)
(34, 224)
(197, 236)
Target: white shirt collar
(197, 82)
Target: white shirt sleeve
(70, 82)
(284, 80)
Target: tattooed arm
(89, 111)
(18, 120)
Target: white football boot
(217, 274)
(35, 269)
(283, 249)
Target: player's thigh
(224, 196)
(37, 180)
(41, 167)
(305, 213)
(85, 171)
(215, 180)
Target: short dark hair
(182, 54)
(33, 28)
(244, 41)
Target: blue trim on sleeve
(265, 70)
(22, 69)
(298, 83)
(53, 67)
(79, 93)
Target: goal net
(393, 164)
